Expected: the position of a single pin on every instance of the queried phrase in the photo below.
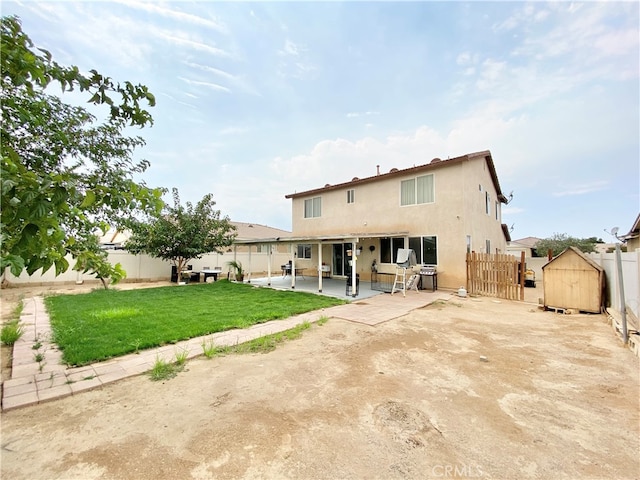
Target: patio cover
(352, 238)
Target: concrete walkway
(33, 382)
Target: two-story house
(441, 210)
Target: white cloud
(206, 68)
(103, 35)
(238, 81)
(292, 49)
(233, 130)
(337, 161)
(582, 189)
(295, 61)
(588, 41)
(512, 210)
(529, 13)
(176, 15)
(492, 73)
(180, 38)
(213, 86)
(361, 114)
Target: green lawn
(108, 323)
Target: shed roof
(434, 164)
(578, 252)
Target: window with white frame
(497, 210)
(468, 243)
(426, 249)
(312, 207)
(488, 242)
(351, 196)
(304, 251)
(417, 190)
(488, 203)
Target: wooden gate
(495, 275)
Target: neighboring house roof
(245, 231)
(434, 164)
(113, 236)
(578, 252)
(250, 231)
(529, 242)
(635, 230)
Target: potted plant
(237, 266)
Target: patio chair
(286, 269)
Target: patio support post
(269, 257)
(320, 267)
(249, 279)
(292, 249)
(353, 267)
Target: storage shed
(572, 280)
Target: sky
(259, 100)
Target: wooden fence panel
(495, 275)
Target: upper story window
(417, 190)
(487, 203)
(351, 196)
(497, 211)
(313, 207)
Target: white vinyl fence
(142, 268)
(630, 279)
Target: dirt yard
(470, 388)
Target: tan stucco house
(441, 210)
(526, 245)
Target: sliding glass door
(340, 259)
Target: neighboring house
(114, 239)
(526, 245)
(632, 238)
(251, 231)
(605, 247)
(441, 210)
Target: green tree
(181, 233)
(64, 175)
(559, 242)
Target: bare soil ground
(470, 388)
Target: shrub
(11, 332)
